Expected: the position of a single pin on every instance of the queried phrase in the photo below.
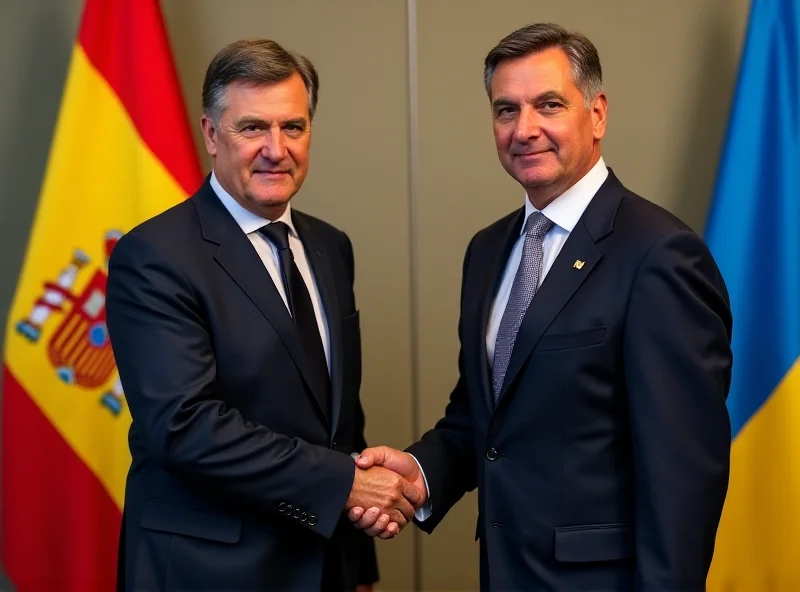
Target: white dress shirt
(564, 212)
(250, 223)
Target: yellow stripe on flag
(756, 548)
(99, 166)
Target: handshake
(388, 488)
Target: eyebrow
(550, 95)
(299, 121)
(245, 121)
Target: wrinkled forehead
(287, 98)
(526, 77)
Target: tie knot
(537, 225)
(277, 233)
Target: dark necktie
(301, 309)
(522, 291)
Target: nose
(528, 126)
(274, 148)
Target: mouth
(271, 174)
(531, 153)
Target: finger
(379, 526)
(412, 493)
(355, 514)
(373, 456)
(397, 516)
(391, 531)
(369, 518)
(405, 508)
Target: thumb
(373, 456)
(413, 494)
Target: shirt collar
(567, 208)
(247, 220)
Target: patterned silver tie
(522, 291)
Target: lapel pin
(578, 264)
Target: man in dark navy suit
(595, 359)
(236, 334)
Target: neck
(541, 196)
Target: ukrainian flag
(754, 234)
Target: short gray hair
(582, 54)
(260, 61)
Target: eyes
(293, 129)
(509, 112)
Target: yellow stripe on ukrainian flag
(756, 547)
(100, 178)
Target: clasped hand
(388, 488)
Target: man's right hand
(395, 496)
(372, 520)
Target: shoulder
(170, 231)
(497, 230)
(323, 231)
(642, 220)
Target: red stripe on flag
(60, 526)
(127, 42)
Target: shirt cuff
(425, 511)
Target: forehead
(548, 70)
(285, 99)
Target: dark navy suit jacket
(604, 466)
(239, 476)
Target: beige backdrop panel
(669, 71)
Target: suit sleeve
(446, 453)
(166, 363)
(677, 361)
(368, 559)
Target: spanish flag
(754, 233)
(122, 152)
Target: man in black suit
(595, 358)
(235, 330)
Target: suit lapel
(321, 269)
(239, 259)
(558, 287)
(564, 278)
(495, 266)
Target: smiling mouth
(528, 154)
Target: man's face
(546, 138)
(260, 147)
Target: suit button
(335, 444)
(289, 509)
(492, 454)
(304, 517)
(312, 520)
(296, 514)
(282, 507)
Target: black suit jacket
(239, 478)
(604, 466)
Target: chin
(536, 180)
(276, 200)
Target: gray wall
(410, 201)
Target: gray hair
(260, 61)
(582, 54)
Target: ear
(599, 113)
(210, 135)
